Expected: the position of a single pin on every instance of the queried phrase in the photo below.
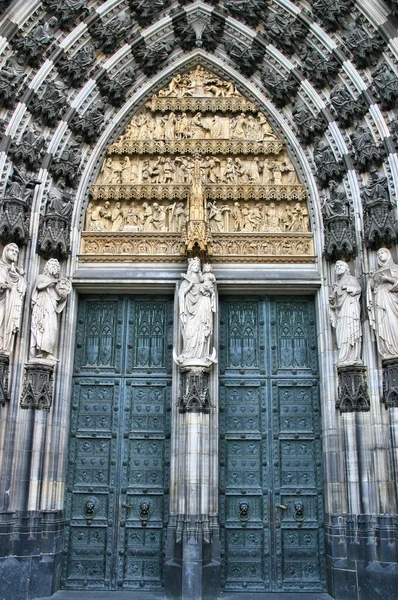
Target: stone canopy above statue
(198, 141)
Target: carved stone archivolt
(198, 171)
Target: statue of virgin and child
(197, 307)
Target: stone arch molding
(246, 45)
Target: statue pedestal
(390, 381)
(37, 389)
(4, 372)
(353, 389)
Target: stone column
(193, 550)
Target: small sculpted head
(341, 268)
(52, 267)
(11, 253)
(383, 256)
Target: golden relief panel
(196, 178)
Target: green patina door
(271, 502)
(117, 487)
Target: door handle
(124, 505)
(281, 506)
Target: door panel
(120, 445)
(270, 452)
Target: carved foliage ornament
(74, 69)
(286, 33)
(90, 124)
(116, 89)
(309, 126)
(151, 58)
(332, 13)
(201, 34)
(67, 11)
(247, 59)
(344, 107)
(281, 86)
(107, 36)
(49, 106)
(251, 12)
(11, 78)
(145, 11)
(31, 47)
(328, 168)
(385, 85)
(30, 150)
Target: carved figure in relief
(254, 172)
(252, 128)
(216, 217)
(132, 217)
(169, 131)
(209, 281)
(200, 128)
(298, 217)
(345, 314)
(107, 172)
(12, 292)
(240, 171)
(215, 128)
(159, 129)
(158, 217)
(95, 222)
(168, 171)
(277, 169)
(237, 217)
(229, 175)
(272, 222)
(383, 304)
(147, 217)
(106, 216)
(48, 300)
(265, 128)
(197, 307)
(288, 167)
(214, 170)
(117, 218)
(254, 219)
(126, 174)
(238, 127)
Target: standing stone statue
(345, 315)
(48, 300)
(197, 308)
(12, 292)
(383, 304)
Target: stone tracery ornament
(15, 207)
(340, 239)
(380, 223)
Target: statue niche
(198, 132)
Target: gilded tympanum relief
(199, 169)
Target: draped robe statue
(383, 304)
(197, 307)
(48, 300)
(345, 315)
(12, 292)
